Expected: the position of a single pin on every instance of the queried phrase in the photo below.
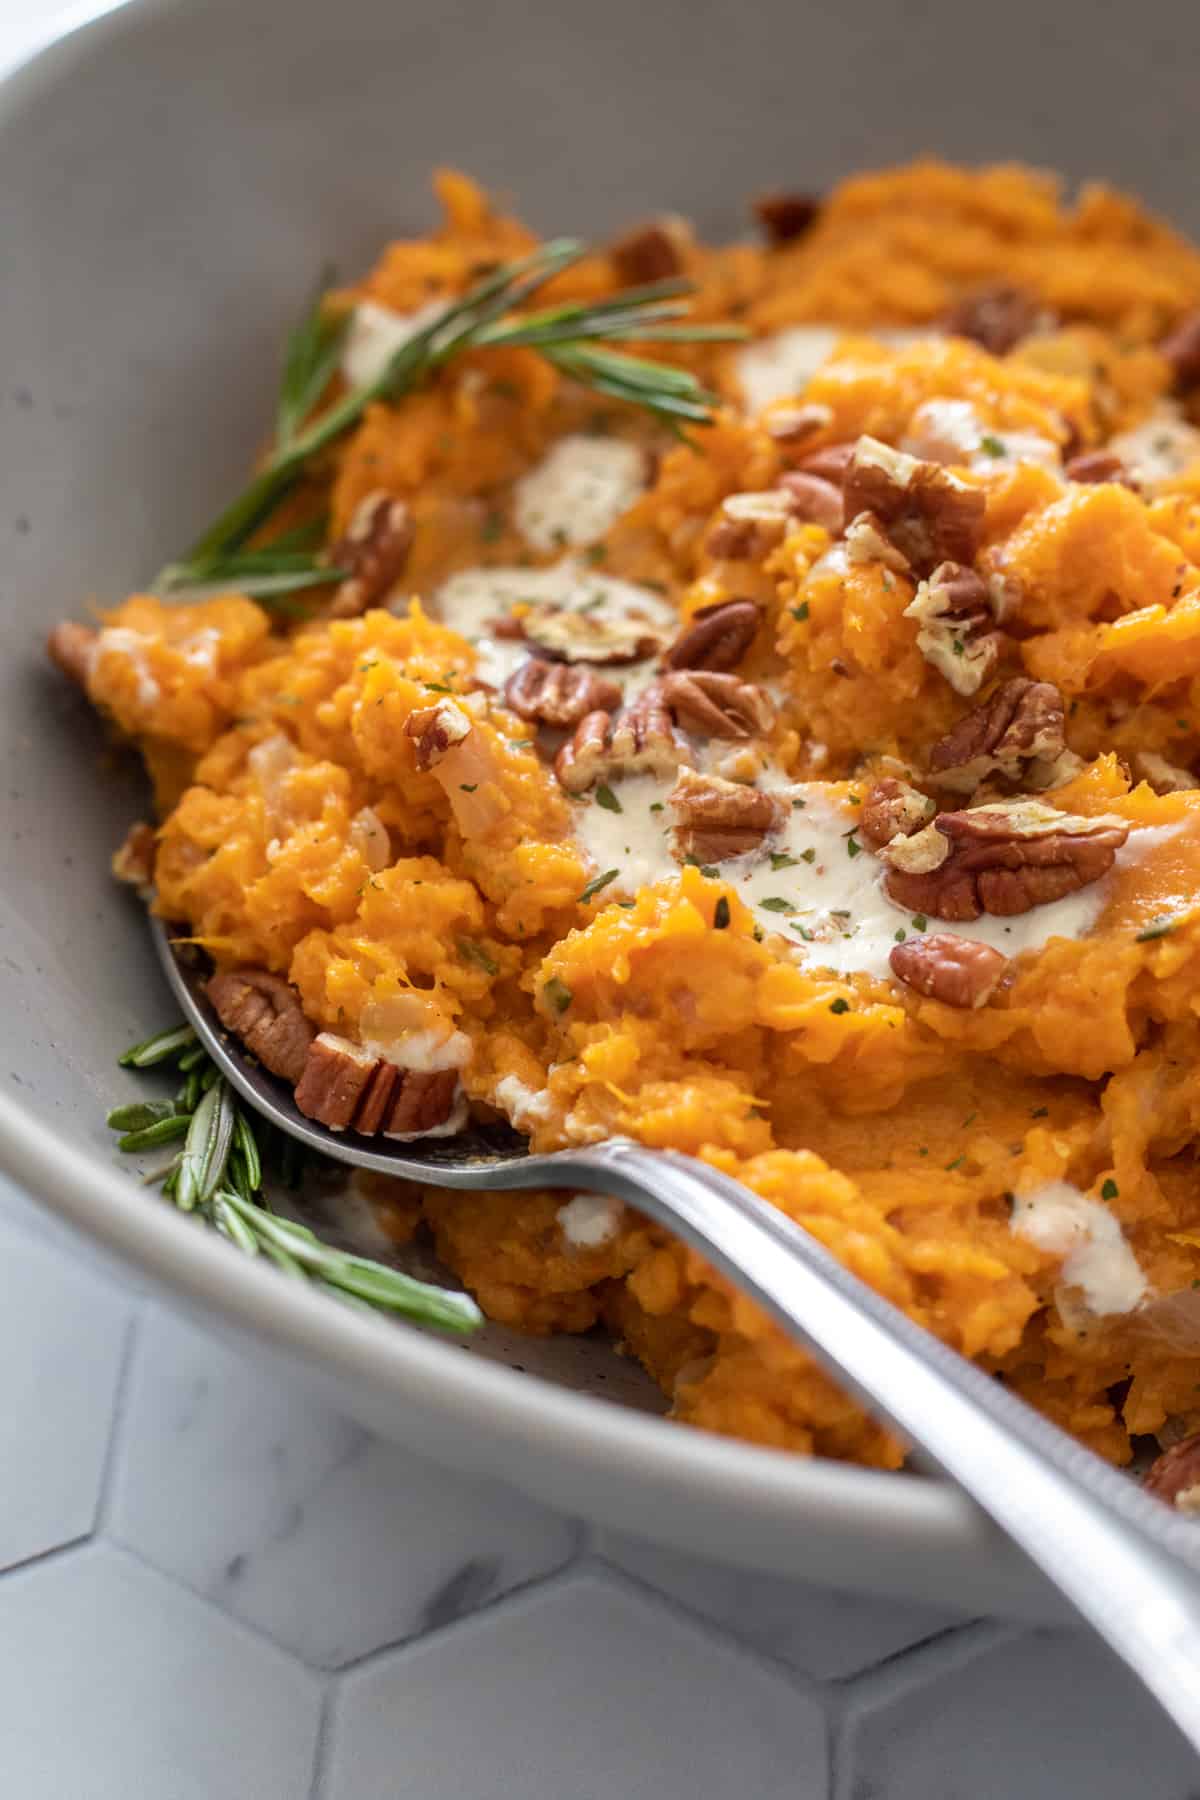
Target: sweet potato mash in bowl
(729, 687)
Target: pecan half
(70, 647)
(265, 1012)
(346, 1088)
(930, 514)
(642, 739)
(830, 462)
(1163, 776)
(557, 694)
(717, 638)
(866, 542)
(956, 631)
(1020, 722)
(750, 525)
(1181, 347)
(373, 551)
(814, 501)
(134, 861)
(1098, 465)
(946, 967)
(794, 425)
(653, 251)
(892, 809)
(717, 819)
(1174, 1477)
(434, 730)
(996, 317)
(595, 637)
(1003, 858)
(786, 215)
(716, 705)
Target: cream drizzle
(951, 431)
(1161, 447)
(783, 363)
(578, 491)
(376, 333)
(1061, 1220)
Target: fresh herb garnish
(853, 847)
(774, 903)
(839, 1005)
(607, 799)
(800, 612)
(596, 883)
(557, 994)
(993, 446)
(808, 856)
(781, 860)
(919, 922)
(218, 1176)
(473, 952)
(1110, 1190)
(721, 914)
(1156, 929)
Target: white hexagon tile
(214, 1588)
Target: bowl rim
(922, 1516)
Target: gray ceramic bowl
(174, 173)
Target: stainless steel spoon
(1130, 1565)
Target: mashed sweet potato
(1019, 1174)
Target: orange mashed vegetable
(896, 1128)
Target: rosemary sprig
(574, 337)
(218, 1176)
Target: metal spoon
(1130, 1565)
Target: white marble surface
(212, 1588)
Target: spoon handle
(1130, 1566)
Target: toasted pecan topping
(265, 1012)
(653, 251)
(134, 861)
(717, 638)
(1181, 347)
(955, 626)
(716, 819)
(786, 214)
(945, 967)
(1163, 776)
(374, 551)
(997, 317)
(1174, 1477)
(892, 809)
(70, 647)
(594, 637)
(642, 738)
(434, 730)
(750, 525)
(792, 425)
(1003, 858)
(346, 1088)
(930, 515)
(830, 462)
(1020, 722)
(557, 694)
(1098, 465)
(866, 542)
(716, 705)
(814, 500)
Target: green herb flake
(1110, 1190)
(597, 883)
(808, 856)
(781, 860)
(557, 994)
(1156, 929)
(1040, 1112)
(900, 935)
(839, 1005)
(853, 847)
(956, 1164)
(491, 528)
(607, 799)
(993, 446)
(721, 914)
(597, 554)
(919, 922)
(657, 806)
(775, 903)
(467, 787)
(475, 953)
(800, 612)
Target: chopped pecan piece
(595, 637)
(70, 647)
(265, 1012)
(373, 551)
(717, 819)
(830, 462)
(642, 739)
(347, 1089)
(1020, 722)
(893, 809)
(794, 425)
(750, 525)
(134, 861)
(1003, 858)
(1099, 465)
(653, 251)
(786, 215)
(557, 694)
(955, 626)
(1181, 347)
(434, 730)
(996, 317)
(1174, 1477)
(814, 501)
(717, 638)
(1163, 776)
(930, 515)
(945, 967)
(716, 705)
(867, 542)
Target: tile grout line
(116, 1429)
(322, 1749)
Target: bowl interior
(175, 175)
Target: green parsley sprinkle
(607, 799)
(956, 1164)
(900, 935)
(781, 860)
(919, 922)
(721, 914)
(800, 612)
(599, 881)
(557, 994)
(467, 787)
(597, 553)
(476, 953)
(656, 806)
(773, 903)
(491, 528)
(839, 1005)
(1159, 928)
(853, 847)
(1040, 1112)
(808, 856)
(994, 446)
(1110, 1190)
